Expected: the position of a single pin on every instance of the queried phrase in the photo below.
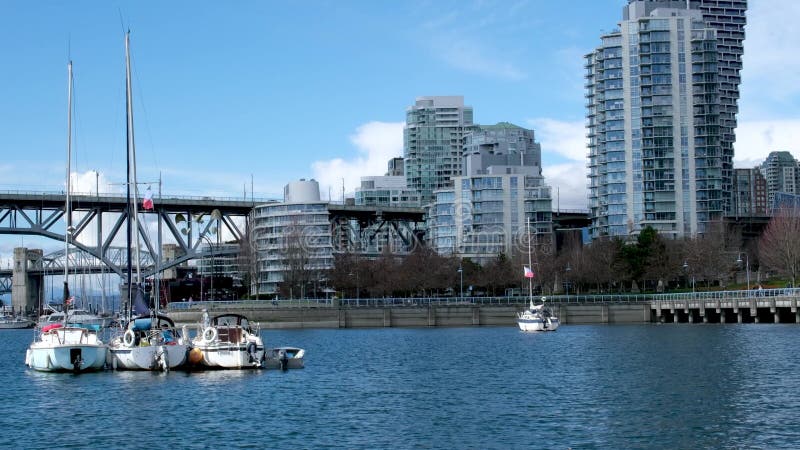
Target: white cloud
(377, 143)
(452, 38)
(567, 139)
(569, 185)
(89, 182)
(770, 72)
(471, 56)
(568, 179)
(756, 139)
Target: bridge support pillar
(777, 317)
(721, 315)
(27, 289)
(797, 317)
(675, 315)
(691, 317)
(739, 316)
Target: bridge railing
(120, 195)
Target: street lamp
(566, 280)
(461, 272)
(686, 268)
(747, 267)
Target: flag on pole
(147, 203)
(528, 272)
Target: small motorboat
(228, 341)
(14, 322)
(284, 358)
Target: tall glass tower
(432, 142)
(727, 17)
(654, 124)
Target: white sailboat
(63, 346)
(536, 317)
(148, 341)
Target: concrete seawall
(415, 316)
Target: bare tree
(297, 274)
(248, 261)
(779, 246)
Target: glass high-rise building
(432, 142)
(486, 211)
(728, 18)
(782, 173)
(655, 116)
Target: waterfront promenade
(740, 306)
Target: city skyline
(249, 87)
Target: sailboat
(147, 340)
(536, 317)
(64, 346)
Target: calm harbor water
(631, 386)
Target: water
(632, 386)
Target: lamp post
(461, 273)
(686, 268)
(566, 280)
(211, 288)
(747, 267)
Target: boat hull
(231, 356)
(538, 324)
(275, 360)
(149, 357)
(15, 324)
(66, 350)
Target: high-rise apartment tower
(658, 121)
(433, 141)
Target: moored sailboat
(63, 346)
(536, 317)
(148, 340)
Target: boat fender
(129, 338)
(210, 335)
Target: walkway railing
(486, 301)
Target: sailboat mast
(530, 263)
(129, 138)
(67, 206)
(135, 200)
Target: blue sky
(288, 90)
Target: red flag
(528, 272)
(147, 203)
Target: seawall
(325, 316)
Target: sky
(229, 95)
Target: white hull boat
(228, 342)
(80, 317)
(537, 318)
(148, 345)
(284, 358)
(66, 349)
(14, 322)
(62, 347)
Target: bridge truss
(100, 224)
